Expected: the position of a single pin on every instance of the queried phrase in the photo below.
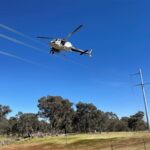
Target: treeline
(57, 115)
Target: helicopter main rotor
(71, 33)
(67, 37)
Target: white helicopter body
(62, 44)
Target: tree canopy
(58, 115)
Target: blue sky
(118, 31)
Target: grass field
(104, 141)
(2, 138)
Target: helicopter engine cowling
(67, 45)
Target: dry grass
(2, 138)
(119, 140)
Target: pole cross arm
(141, 84)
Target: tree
(112, 121)
(13, 125)
(4, 125)
(59, 111)
(27, 124)
(87, 117)
(136, 121)
(43, 126)
(124, 124)
(4, 110)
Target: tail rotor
(88, 52)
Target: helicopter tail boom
(88, 52)
(82, 52)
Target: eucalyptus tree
(59, 111)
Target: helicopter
(62, 44)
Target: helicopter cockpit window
(63, 42)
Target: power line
(142, 85)
(21, 43)
(22, 59)
(20, 33)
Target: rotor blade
(70, 34)
(44, 37)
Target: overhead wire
(21, 34)
(37, 49)
(66, 58)
(61, 56)
(21, 43)
(20, 58)
(31, 46)
(132, 86)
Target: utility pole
(142, 84)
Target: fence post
(112, 147)
(144, 144)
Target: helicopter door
(63, 42)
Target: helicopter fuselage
(60, 44)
